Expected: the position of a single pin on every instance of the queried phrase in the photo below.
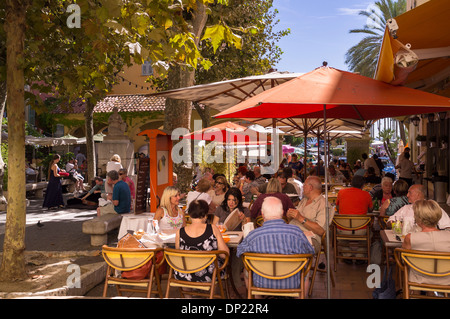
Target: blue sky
(319, 32)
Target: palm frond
(363, 57)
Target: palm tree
(363, 57)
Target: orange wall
(134, 75)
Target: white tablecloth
(134, 222)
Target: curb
(88, 280)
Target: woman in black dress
(53, 196)
(199, 236)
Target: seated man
(417, 192)
(354, 201)
(370, 176)
(310, 214)
(275, 237)
(334, 175)
(247, 185)
(91, 198)
(121, 196)
(260, 179)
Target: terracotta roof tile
(124, 103)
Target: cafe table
(390, 242)
(134, 222)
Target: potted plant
(421, 140)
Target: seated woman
(427, 214)
(199, 236)
(273, 189)
(232, 201)
(220, 188)
(200, 192)
(391, 206)
(385, 192)
(169, 215)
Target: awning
(221, 95)
(417, 53)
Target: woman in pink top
(124, 176)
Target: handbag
(143, 272)
(387, 287)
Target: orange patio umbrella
(343, 94)
(328, 92)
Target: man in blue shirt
(121, 197)
(275, 237)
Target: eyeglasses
(121, 174)
(220, 183)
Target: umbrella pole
(276, 145)
(327, 211)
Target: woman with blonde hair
(169, 214)
(273, 189)
(427, 214)
(114, 164)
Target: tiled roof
(123, 102)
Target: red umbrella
(228, 133)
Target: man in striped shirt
(275, 237)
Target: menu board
(143, 176)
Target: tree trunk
(90, 145)
(177, 113)
(13, 261)
(205, 114)
(2, 163)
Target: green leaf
(216, 34)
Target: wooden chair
(188, 262)
(315, 267)
(428, 263)
(276, 266)
(343, 243)
(259, 221)
(188, 219)
(382, 221)
(127, 259)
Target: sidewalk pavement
(61, 229)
